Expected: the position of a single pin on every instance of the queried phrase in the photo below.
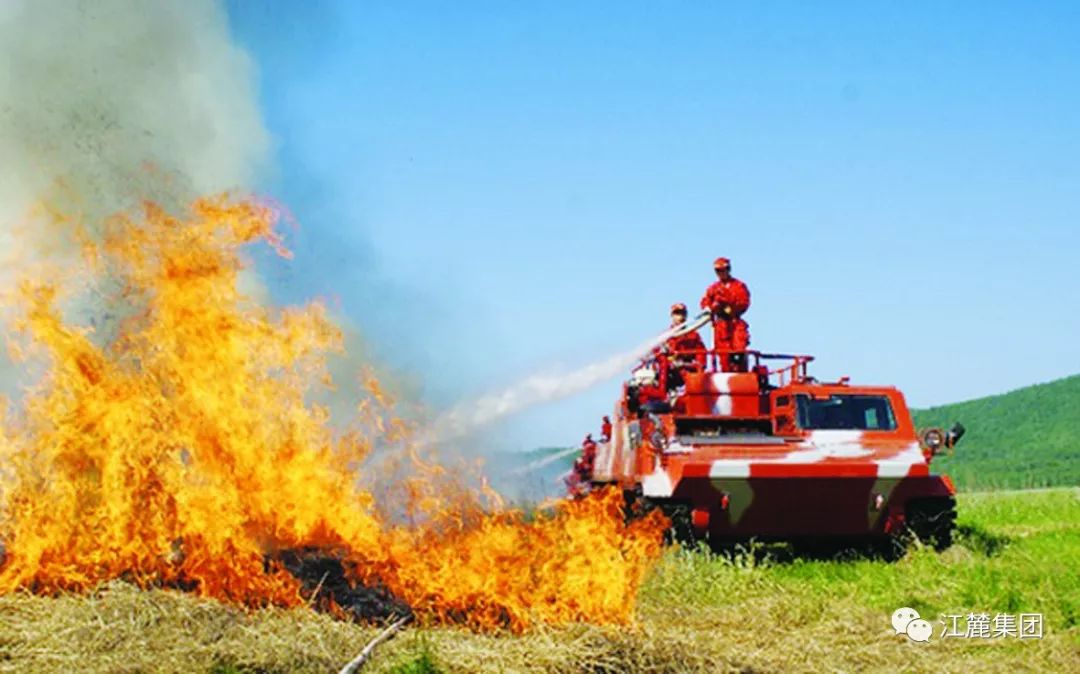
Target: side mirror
(954, 435)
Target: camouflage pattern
(739, 452)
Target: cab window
(845, 412)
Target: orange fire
(182, 449)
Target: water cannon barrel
(699, 321)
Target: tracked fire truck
(773, 453)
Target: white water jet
(538, 389)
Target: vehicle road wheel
(930, 522)
(682, 528)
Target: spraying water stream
(538, 389)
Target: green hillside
(1025, 438)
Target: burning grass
(181, 448)
(696, 612)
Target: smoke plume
(109, 102)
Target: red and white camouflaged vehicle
(774, 454)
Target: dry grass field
(1016, 552)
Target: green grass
(1018, 552)
(1025, 438)
(422, 663)
(1033, 565)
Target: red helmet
(678, 308)
(721, 263)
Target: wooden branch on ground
(311, 599)
(356, 663)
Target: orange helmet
(721, 263)
(678, 308)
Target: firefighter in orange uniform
(728, 299)
(588, 457)
(687, 351)
(578, 480)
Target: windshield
(846, 412)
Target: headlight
(933, 439)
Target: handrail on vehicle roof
(794, 371)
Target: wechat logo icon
(907, 621)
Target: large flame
(183, 449)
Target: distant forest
(1029, 437)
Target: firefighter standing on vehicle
(728, 299)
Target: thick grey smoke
(104, 103)
(93, 92)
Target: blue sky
(494, 189)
